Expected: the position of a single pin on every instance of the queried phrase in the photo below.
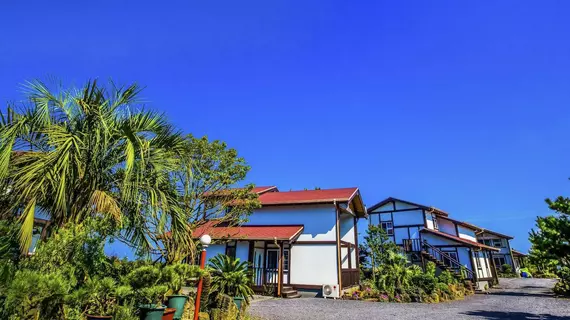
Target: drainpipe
(338, 250)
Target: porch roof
(218, 231)
(460, 240)
(351, 196)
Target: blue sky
(462, 105)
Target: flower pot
(168, 314)
(238, 301)
(177, 302)
(89, 317)
(151, 312)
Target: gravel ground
(515, 299)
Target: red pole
(199, 292)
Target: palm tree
(93, 152)
(231, 276)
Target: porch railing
(412, 245)
(263, 276)
(350, 277)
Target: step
(293, 296)
(287, 288)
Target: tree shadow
(544, 294)
(497, 315)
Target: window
(499, 262)
(388, 227)
(497, 243)
(285, 259)
(452, 255)
(231, 249)
(434, 219)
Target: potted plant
(149, 294)
(99, 298)
(175, 277)
(232, 277)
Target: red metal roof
(308, 196)
(261, 190)
(461, 240)
(218, 230)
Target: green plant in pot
(232, 277)
(148, 293)
(175, 277)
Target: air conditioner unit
(331, 291)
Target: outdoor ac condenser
(331, 291)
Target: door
(258, 260)
(272, 268)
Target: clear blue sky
(463, 105)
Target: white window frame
(389, 229)
(499, 241)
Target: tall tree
(551, 242)
(206, 185)
(96, 151)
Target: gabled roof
(218, 230)
(464, 224)
(518, 253)
(340, 195)
(479, 229)
(460, 240)
(500, 235)
(390, 199)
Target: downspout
(338, 251)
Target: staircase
(289, 293)
(441, 259)
(445, 262)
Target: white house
(297, 240)
(502, 242)
(429, 234)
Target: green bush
(425, 281)
(145, 284)
(506, 268)
(177, 275)
(447, 277)
(37, 295)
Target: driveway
(515, 299)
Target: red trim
(461, 240)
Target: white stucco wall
(313, 264)
(242, 250)
(319, 220)
(215, 249)
(400, 234)
(347, 227)
(429, 221)
(446, 226)
(437, 241)
(386, 207)
(401, 205)
(466, 233)
(406, 218)
(484, 272)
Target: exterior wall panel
(313, 264)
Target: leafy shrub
(506, 268)
(444, 291)
(562, 287)
(231, 276)
(425, 281)
(99, 296)
(34, 294)
(177, 275)
(447, 277)
(145, 283)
